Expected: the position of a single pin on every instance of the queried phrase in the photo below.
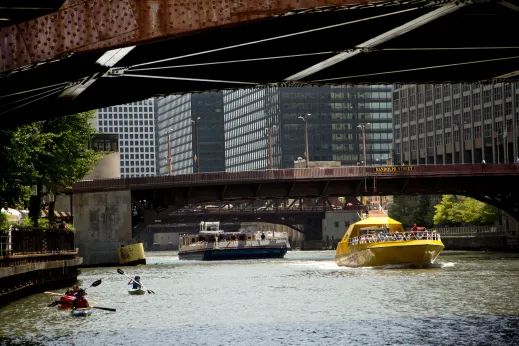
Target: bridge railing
(27, 241)
(294, 174)
(472, 231)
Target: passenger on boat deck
(80, 302)
(414, 229)
(135, 282)
(262, 236)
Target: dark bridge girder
(94, 54)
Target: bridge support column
(103, 222)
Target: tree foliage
(48, 154)
(458, 210)
(413, 209)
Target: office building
(336, 116)
(455, 123)
(194, 126)
(134, 124)
(251, 121)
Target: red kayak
(66, 299)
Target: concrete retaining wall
(103, 223)
(496, 243)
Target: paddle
(54, 293)
(68, 303)
(140, 284)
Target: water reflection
(470, 298)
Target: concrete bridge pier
(103, 222)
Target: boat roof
(377, 221)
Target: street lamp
(363, 128)
(305, 119)
(197, 154)
(169, 150)
(269, 131)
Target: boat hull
(233, 254)
(136, 292)
(416, 253)
(81, 312)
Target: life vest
(80, 302)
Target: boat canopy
(384, 224)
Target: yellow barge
(380, 241)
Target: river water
(303, 299)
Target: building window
(430, 141)
(498, 95)
(421, 128)
(446, 90)
(413, 115)
(413, 144)
(466, 117)
(447, 121)
(421, 143)
(420, 94)
(477, 115)
(487, 131)
(466, 134)
(446, 106)
(437, 92)
(487, 113)
(405, 118)
(508, 90)
(466, 101)
(428, 111)
(487, 96)
(466, 87)
(428, 93)
(498, 111)
(448, 138)
(405, 132)
(476, 99)
(456, 104)
(477, 132)
(508, 108)
(420, 113)
(438, 124)
(455, 89)
(430, 126)
(439, 140)
(413, 130)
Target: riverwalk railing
(31, 241)
(387, 237)
(472, 231)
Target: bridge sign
(386, 169)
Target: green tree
(412, 209)
(457, 210)
(64, 158)
(18, 146)
(50, 153)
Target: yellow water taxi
(380, 241)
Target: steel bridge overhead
(93, 54)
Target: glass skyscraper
(334, 115)
(176, 117)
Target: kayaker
(75, 290)
(80, 301)
(135, 282)
(69, 293)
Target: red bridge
(157, 197)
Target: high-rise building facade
(252, 129)
(134, 124)
(336, 117)
(191, 127)
(455, 123)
